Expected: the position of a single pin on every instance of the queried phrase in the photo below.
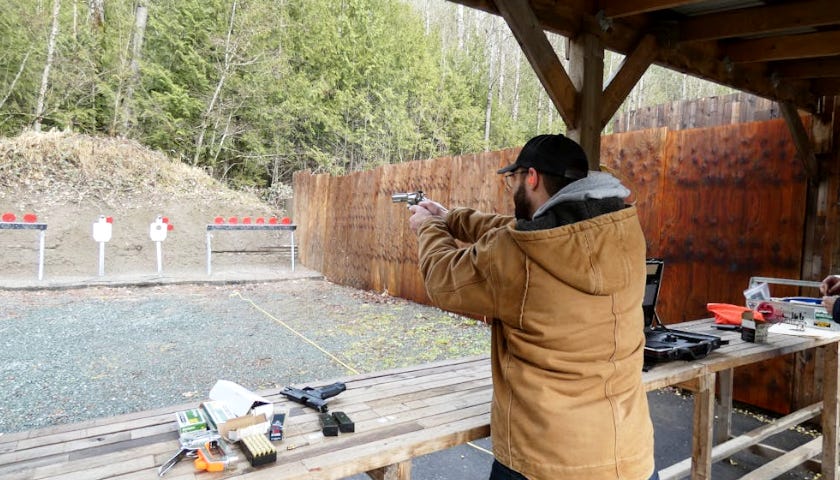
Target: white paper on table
(788, 329)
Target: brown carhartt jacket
(567, 337)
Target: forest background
(254, 90)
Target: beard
(521, 206)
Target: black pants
(501, 472)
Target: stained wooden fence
(349, 229)
(719, 205)
(737, 107)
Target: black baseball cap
(552, 154)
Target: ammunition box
(191, 420)
(258, 450)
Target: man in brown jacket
(563, 283)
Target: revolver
(191, 443)
(411, 198)
(212, 457)
(314, 397)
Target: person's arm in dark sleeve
(835, 312)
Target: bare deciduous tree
(222, 77)
(516, 80)
(17, 77)
(96, 13)
(460, 27)
(492, 47)
(141, 17)
(45, 77)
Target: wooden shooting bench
(404, 413)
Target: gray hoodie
(597, 194)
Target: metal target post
(102, 229)
(157, 232)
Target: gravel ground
(71, 355)
(74, 354)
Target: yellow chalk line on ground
(480, 449)
(305, 339)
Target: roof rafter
(702, 59)
(814, 68)
(826, 86)
(626, 8)
(786, 47)
(759, 20)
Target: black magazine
(663, 344)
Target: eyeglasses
(508, 178)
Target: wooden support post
(723, 420)
(831, 411)
(529, 33)
(800, 139)
(704, 411)
(399, 471)
(586, 69)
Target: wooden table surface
(399, 414)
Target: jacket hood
(595, 256)
(596, 185)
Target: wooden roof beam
(789, 47)
(626, 8)
(826, 87)
(531, 37)
(570, 17)
(759, 20)
(814, 68)
(629, 73)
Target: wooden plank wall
(349, 230)
(719, 205)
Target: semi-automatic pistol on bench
(314, 397)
